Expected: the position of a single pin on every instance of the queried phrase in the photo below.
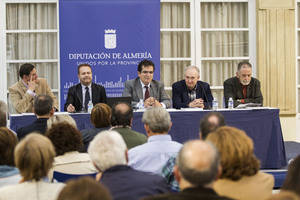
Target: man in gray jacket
(144, 88)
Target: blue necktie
(86, 98)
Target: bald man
(197, 168)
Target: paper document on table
(249, 105)
(191, 109)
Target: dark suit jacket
(39, 125)
(75, 96)
(124, 182)
(196, 193)
(180, 94)
(89, 134)
(133, 88)
(233, 88)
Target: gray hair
(158, 119)
(60, 118)
(204, 169)
(107, 150)
(192, 67)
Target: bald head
(198, 162)
(122, 115)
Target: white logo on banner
(110, 39)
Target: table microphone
(209, 107)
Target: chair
(63, 177)
(279, 176)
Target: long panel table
(262, 125)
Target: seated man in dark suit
(197, 168)
(144, 88)
(43, 109)
(79, 95)
(191, 93)
(108, 152)
(243, 88)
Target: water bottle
(140, 104)
(215, 104)
(90, 107)
(230, 103)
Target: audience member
(209, 123)
(34, 156)
(9, 174)
(67, 142)
(22, 93)
(84, 188)
(43, 109)
(109, 154)
(197, 168)
(153, 155)
(240, 178)
(121, 121)
(243, 88)
(144, 88)
(284, 195)
(292, 180)
(191, 92)
(79, 95)
(100, 118)
(3, 115)
(58, 118)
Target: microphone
(203, 91)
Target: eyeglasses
(147, 72)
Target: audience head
(8, 142)
(34, 156)
(145, 71)
(60, 118)
(122, 115)
(210, 122)
(101, 115)
(85, 75)
(191, 76)
(43, 105)
(244, 72)
(292, 180)
(157, 120)
(197, 170)
(236, 150)
(84, 188)
(107, 150)
(65, 138)
(27, 72)
(284, 195)
(3, 116)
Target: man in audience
(43, 109)
(190, 92)
(243, 88)
(210, 122)
(197, 168)
(121, 120)
(22, 93)
(154, 154)
(109, 154)
(3, 117)
(81, 94)
(144, 88)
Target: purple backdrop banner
(113, 36)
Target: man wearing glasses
(146, 89)
(190, 92)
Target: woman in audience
(34, 156)
(100, 118)
(292, 180)
(9, 174)
(67, 142)
(84, 188)
(60, 118)
(240, 178)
